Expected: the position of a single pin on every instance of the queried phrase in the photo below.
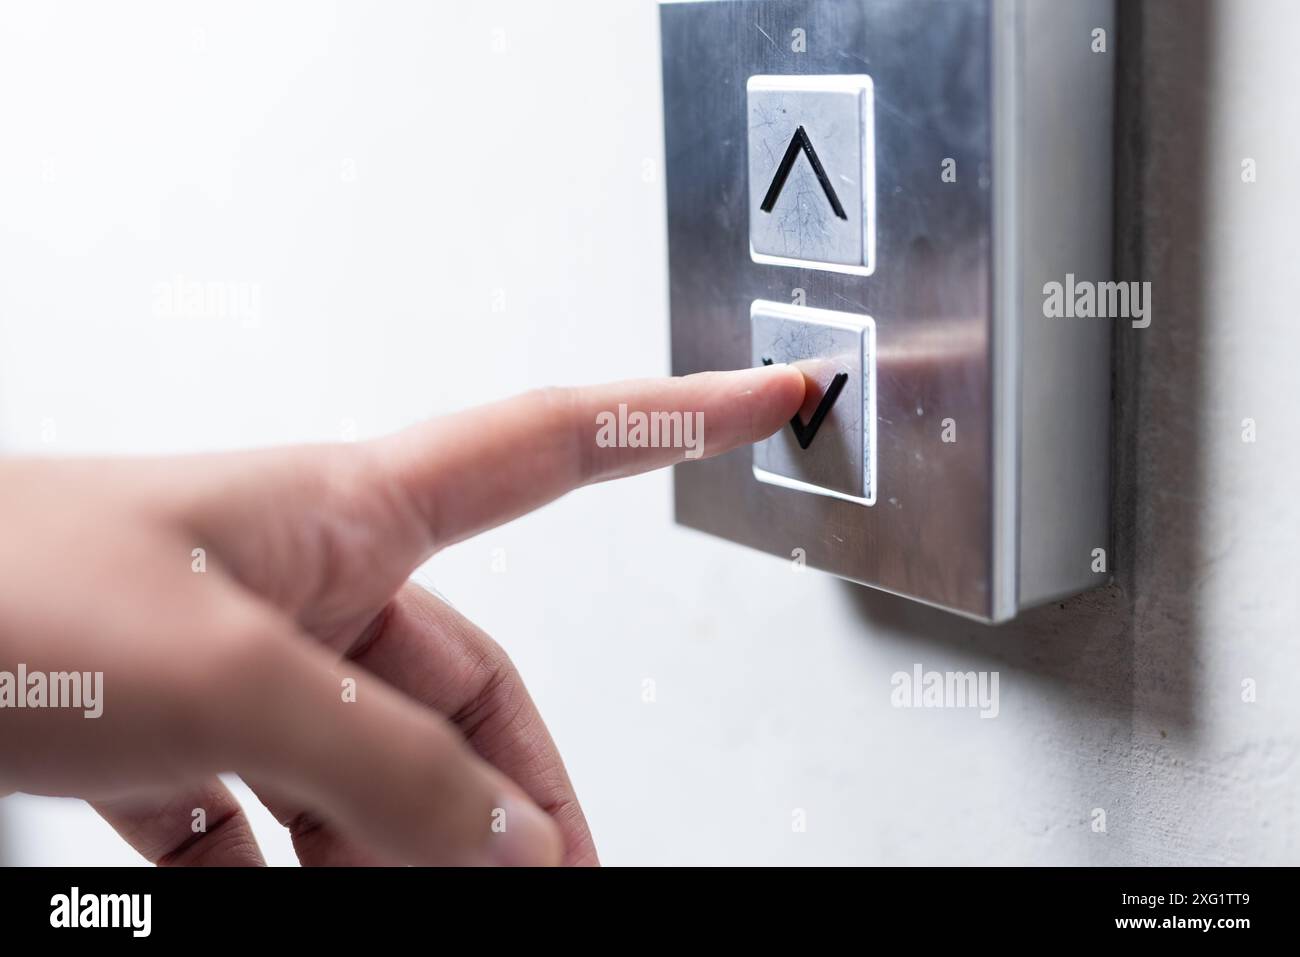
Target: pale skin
(244, 667)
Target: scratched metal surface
(803, 224)
(929, 534)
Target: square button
(812, 172)
(833, 455)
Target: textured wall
(772, 688)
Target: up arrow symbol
(800, 142)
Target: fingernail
(523, 835)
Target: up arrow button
(812, 179)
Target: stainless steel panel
(951, 292)
(928, 536)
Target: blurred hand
(374, 721)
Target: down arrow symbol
(804, 433)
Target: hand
(373, 720)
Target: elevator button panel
(877, 192)
(812, 172)
(829, 446)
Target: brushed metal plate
(928, 535)
(990, 477)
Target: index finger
(468, 472)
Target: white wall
(380, 172)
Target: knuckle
(560, 414)
(497, 699)
(556, 400)
(225, 838)
(363, 511)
